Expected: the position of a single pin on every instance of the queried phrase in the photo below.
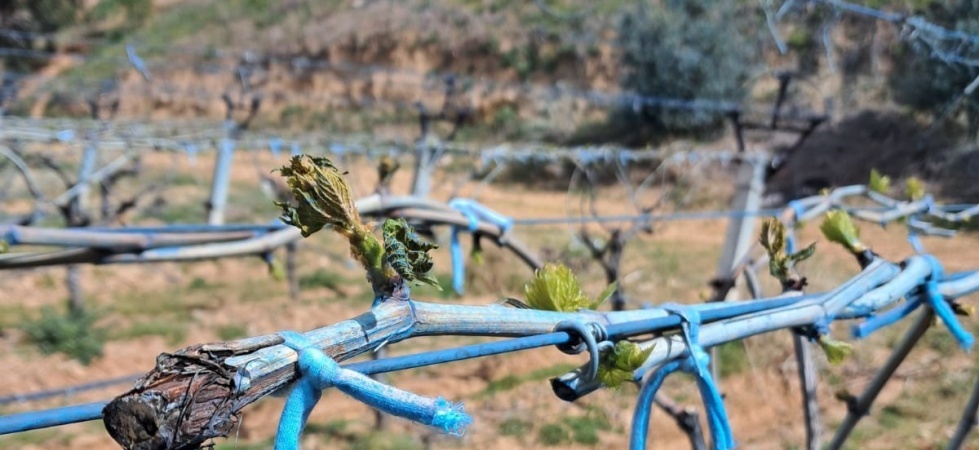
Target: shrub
(686, 50)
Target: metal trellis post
(740, 231)
(219, 184)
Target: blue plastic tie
(474, 212)
(275, 146)
(798, 209)
(294, 149)
(941, 307)
(927, 293)
(317, 371)
(889, 317)
(696, 364)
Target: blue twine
(474, 212)
(294, 149)
(696, 364)
(927, 293)
(317, 371)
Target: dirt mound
(845, 152)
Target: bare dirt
(508, 395)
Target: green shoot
(781, 264)
(839, 228)
(879, 183)
(555, 288)
(386, 169)
(914, 188)
(324, 199)
(276, 270)
(836, 351)
(618, 364)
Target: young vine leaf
(555, 288)
(407, 253)
(836, 351)
(838, 227)
(780, 263)
(618, 365)
(914, 188)
(323, 197)
(879, 183)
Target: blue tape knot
(474, 212)
(927, 293)
(317, 371)
(696, 364)
(798, 209)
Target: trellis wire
(136, 135)
(711, 312)
(916, 29)
(69, 390)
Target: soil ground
(151, 309)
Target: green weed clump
(73, 333)
(553, 434)
(515, 427)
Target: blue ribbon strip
(317, 371)
(927, 293)
(474, 212)
(695, 364)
